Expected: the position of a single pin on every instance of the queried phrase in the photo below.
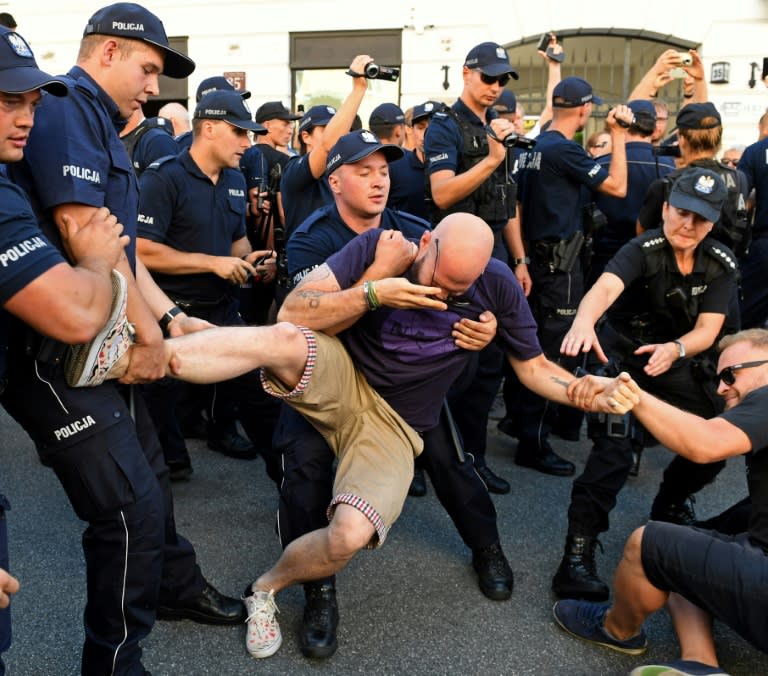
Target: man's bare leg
(313, 556)
(222, 353)
(320, 553)
(693, 627)
(635, 597)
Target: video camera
(511, 140)
(373, 71)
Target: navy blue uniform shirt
(75, 155)
(302, 193)
(643, 168)
(444, 142)
(25, 253)
(182, 208)
(324, 233)
(754, 164)
(406, 185)
(550, 177)
(151, 146)
(184, 141)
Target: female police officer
(679, 282)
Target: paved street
(412, 607)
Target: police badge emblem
(705, 185)
(19, 45)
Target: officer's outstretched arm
(581, 337)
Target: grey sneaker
(584, 620)
(678, 668)
(90, 364)
(263, 637)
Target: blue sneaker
(678, 668)
(584, 620)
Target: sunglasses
(728, 376)
(728, 161)
(503, 80)
(459, 301)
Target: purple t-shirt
(410, 356)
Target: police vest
(495, 199)
(131, 140)
(672, 304)
(733, 229)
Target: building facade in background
(297, 50)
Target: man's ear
(109, 51)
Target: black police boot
(321, 617)
(208, 607)
(493, 482)
(681, 513)
(542, 458)
(576, 577)
(232, 444)
(418, 487)
(494, 576)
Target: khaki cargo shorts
(374, 445)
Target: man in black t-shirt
(698, 574)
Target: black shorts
(725, 575)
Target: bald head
(466, 244)
(178, 115)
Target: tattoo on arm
(312, 297)
(559, 381)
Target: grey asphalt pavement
(412, 607)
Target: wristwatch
(168, 317)
(519, 261)
(680, 348)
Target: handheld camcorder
(512, 140)
(374, 71)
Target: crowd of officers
(229, 218)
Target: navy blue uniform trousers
(113, 473)
(307, 485)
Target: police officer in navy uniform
(469, 171)
(551, 176)
(308, 462)
(192, 238)
(67, 303)
(614, 224)
(210, 84)
(147, 139)
(406, 192)
(667, 295)
(111, 467)
(754, 266)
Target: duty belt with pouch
(560, 255)
(43, 349)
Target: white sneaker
(263, 637)
(90, 364)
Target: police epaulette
(654, 243)
(160, 161)
(722, 254)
